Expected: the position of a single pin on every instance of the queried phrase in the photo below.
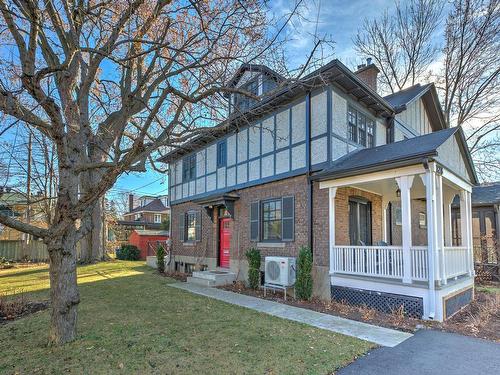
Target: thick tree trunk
(64, 293)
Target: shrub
(128, 252)
(253, 257)
(160, 259)
(304, 282)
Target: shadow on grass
(13, 272)
(35, 281)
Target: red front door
(224, 242)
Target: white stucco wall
(299, 122)
(319, 112)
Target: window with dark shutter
(288, 218)
(182, 221)
(254, 221)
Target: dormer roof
(253, 68)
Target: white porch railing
(376, 261)
(387, 261)
(419, 263)
(456, 260)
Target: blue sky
(338, 20)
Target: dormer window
(243, 102)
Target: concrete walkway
(431, 352)
(378, 335)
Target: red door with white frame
(224, 242)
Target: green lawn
(131, 322)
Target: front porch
(384, 252)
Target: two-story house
(366, 182)
(144, 213)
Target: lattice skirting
(454, 303)
(385, 302)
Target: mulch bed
(9, 313)
(179, 276)
(481, 318)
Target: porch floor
(414, 284)
(378, 335)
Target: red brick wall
(296, 186)
(419, 235)
(207, 247)
(240, 241)
(320, 221)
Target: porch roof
(398, 154)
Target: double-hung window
(221, 153)
(189, 168)
(272, 220)
(361, 129)
(190, 226)
(157, 218)
(243, 102)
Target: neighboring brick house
(144, 213)
(329, 164)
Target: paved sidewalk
(378, 335)
(431, 352)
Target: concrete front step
(212, 278)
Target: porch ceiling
(387, 188)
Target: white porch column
(432, 238)
(385, 234)
(440, 268)
(448, 232)
(466, 228)
(405, 183)
(332, 192)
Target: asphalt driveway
(431, 352)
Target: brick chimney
(368, 73)
(130, 202)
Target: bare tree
(469, 80)
(109, 83)
(401, 42)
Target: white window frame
(157, 218)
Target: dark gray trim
(245, 185)
(374, 168)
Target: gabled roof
(401, 99)
(155, 205)
(397, 154)
(406, 96)
(253, 68)
(486, 194)
(12, 198)
(332, 73)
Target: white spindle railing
(387, 261)
(419, 263)
(456, 261)
(378, 261)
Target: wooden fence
(33, 251)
